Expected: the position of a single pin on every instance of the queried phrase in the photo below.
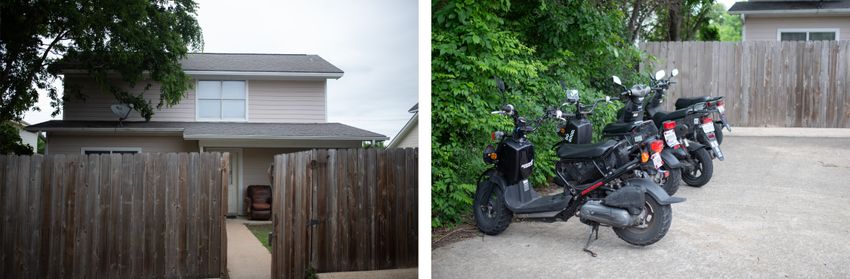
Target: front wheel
(492, 216)
(703, 168)
(671, 182)
(656, 219)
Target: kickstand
(593, 229)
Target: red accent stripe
(591, 188)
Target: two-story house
(807, 20)
(251, 105)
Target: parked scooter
(577, 129)
(597, 188)
(693, 126)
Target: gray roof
(256, 62)
(788, 6)
(219, 130)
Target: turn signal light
(706, 120)
(669, 125)
(656, 146)
(493, 156)
(644, 157)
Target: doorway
(234, 185)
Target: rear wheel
(703, 168)
(655, 223)
(670, 183)
(492, 216)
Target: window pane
(209, 89)
(89, 152)
(233, 90)
(124, 152)
(822, 36)
(234, 109)
(209, 109)
(793, 36)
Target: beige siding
(268, 101)
(97, 102)
(72, 144)
(286, 101)
(765, 27)
(411, 139)
(256, 162)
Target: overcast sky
(374, 42)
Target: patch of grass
(262, 233)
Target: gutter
(259, 137)
(264, 74)
(108, 130)
(791, 12)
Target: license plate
(708, 128)
(656, 160)
(670, 137)
(721, 109)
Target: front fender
(493, 176)
(654, 191)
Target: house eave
(176, 131)
(792, 12)
(251, 74)
(404, 130)
(261, 137)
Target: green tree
(531, 45)
(137, 40)
(11, 142)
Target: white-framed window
(222, 100)
(110, 150)
(809, 34)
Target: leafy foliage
(137, 40)
(11, 142)
(531, 45)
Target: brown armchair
(258, 202)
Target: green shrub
(531, 45)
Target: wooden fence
(344, 210)
(766, 83)
(113, 216)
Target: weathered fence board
(113, 216)
(766, 83)
(344, 210)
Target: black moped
(597, 188)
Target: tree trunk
(634, 25)
(674, 20)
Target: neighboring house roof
(217, 130)
(790, 7)
(407, 127)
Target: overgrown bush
(531, 45)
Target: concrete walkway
(788, 132)
(246, 256)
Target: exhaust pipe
(612, 216)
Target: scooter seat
(618, 128)
(585, 151)
(662, 116)
(686, 102)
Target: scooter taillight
(706, 120)
(669, 125)
(720, 103)
(656, 146)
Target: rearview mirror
(660, 74)
(617, 80)
(501, 85)
(572, 95)
(675, 72)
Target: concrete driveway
(776, 208)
